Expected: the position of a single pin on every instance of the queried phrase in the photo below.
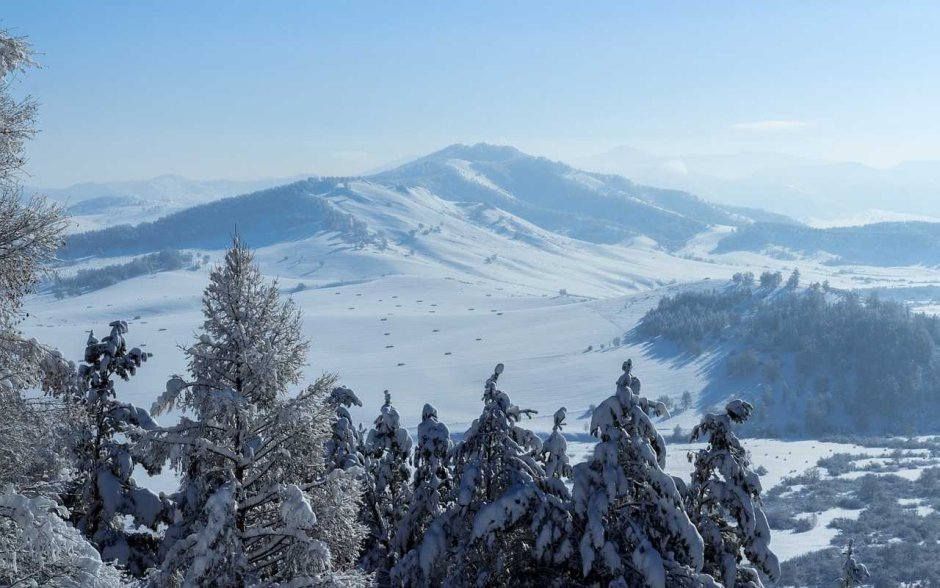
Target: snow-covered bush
(39, 548)
(854, 573)
(725, 489)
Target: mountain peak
(477, 152)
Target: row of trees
(88, 280)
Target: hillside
(836, 362)
(592, 207)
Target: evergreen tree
(506, 526)
(101, 431)
(724, 488)
(630, 517)
(344, 449)
(854, 573)
(256, 503)
(554, 452)
(387, 493)
(433, 481)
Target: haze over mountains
(92, 205)
(824, 192)
(466, 194)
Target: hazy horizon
(237, 91)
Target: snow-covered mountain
(530, 197)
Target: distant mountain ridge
(589, 207)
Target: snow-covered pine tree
(631, 521)
(506, 526)
(432, 484)
(724, 489)
(854, 573)
(38, 547)
(554, 452)
(344, 449)
(102, 428)
(257, 504)
(387, 486)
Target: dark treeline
(89, 280)
(853, 362)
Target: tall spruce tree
(257, 504)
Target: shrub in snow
(101, 430)
(724, 503)
(629, 514)
(257, 504)
(854, 573)
(39, 548)
(506, 525)
(387, 485)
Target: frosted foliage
(387, 494)
(503, 520)
(253, 456)
(344, 448)
(655, 545)
(431, 485)
(39, 548)
(723, 487)
(854, 573)
(554, 452)
(101, 433)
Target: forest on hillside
(845, 363)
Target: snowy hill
(592, 207)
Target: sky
(247, 90)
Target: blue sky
(269, 89)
